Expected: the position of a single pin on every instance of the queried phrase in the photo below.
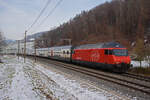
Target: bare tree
(115, 20)
(2, 42)
(140, 50)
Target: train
(110, 56)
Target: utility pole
(69, 40)
(25, 47)
(35, 49)
(18, 48)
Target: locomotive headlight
(117, 62)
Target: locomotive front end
(122, 61)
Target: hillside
(118, 20)
(35, 35)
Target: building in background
(13, 47)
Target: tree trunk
(140, 63)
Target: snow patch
(30, 81)
(80, 91)
(137, 63)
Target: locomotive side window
(106, 52)
(110, 52)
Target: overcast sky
(17, 15)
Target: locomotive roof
(42, 48)
(100, 45)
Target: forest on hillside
(119, 20)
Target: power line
(51, 12)
(42, 11)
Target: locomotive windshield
(120, 52)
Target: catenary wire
(42, 11)
(50, 13)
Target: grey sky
(17, 15)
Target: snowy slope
(30, 81)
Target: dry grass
(141, 70)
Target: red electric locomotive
(111, 56)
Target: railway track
(138, 77)
(106, 77)
(123, 80)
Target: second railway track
(139, 77)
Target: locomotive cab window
(120, 52)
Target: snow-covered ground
(30, 81)
(137, 63)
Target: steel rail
(139, 77)
(102, 75)
(119, 81)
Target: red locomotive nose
(122, 59)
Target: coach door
(51, 53)
(107, 56)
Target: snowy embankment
(30, 81)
